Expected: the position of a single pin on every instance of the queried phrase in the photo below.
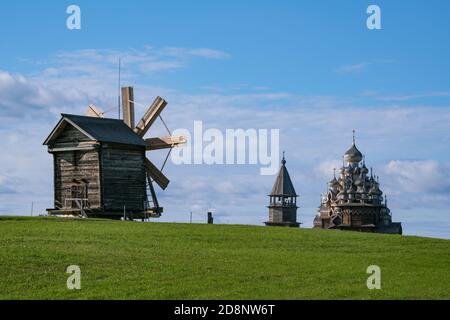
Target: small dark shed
(99, 168)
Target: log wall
(123, 177)
(77, 170)
(113, 174)
(71, 137)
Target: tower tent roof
(283, 185)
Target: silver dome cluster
(354, 185)
(354, 200)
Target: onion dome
(375, 190)
(353, 155)
(334, 183)
(360, 189)
(351, 194)
(364, 169)
(342, 195)
(359, 181)
(350, 189)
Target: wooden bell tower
(283, 201)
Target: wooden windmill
(153, 174)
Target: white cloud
(407, 97)
(95, 62)
(353, 68)
(361, 66)
(24, 98)
(87, 76)
(326, 168)
(194, 52)
(6, 185)
(315, 130)
(419, 177)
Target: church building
(354, 201)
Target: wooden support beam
(56, 150)
(150, 116)
(165, 142)
(156, 174)
(128, 106)
(92, 111)
(156, 210)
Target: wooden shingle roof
(283, 185)
(98, 129)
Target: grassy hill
(126, 260)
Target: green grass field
(131, 260)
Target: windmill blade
(156, 174)
(165, 142)
(92, 111)
(128, 106)
(150, 116)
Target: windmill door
(79, 193)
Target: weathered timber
(78, 169)
(123, 178)
(92, 111)
(110, 176)
(164, 142)
(156, 174)
(150, 116)
(128, 106)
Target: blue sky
(311, 69)
(288, 45)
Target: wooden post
(210, 218)
(82, 209)
(128, 106)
